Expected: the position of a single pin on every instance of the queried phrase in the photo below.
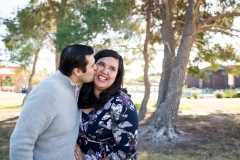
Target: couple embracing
(79, 112)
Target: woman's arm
(124, 127)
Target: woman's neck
(96, 92)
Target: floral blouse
(110, 131)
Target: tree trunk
(169, 49)
(59, 16)
(164, 121)
(57, 60)
(143, 107)
(30, 85)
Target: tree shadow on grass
(212, 136)
(6, 129)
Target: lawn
(211, 127)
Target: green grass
(10, 107)
(187, 117)
(156, 78)
(6, 129)
(190, 155)
(184, 107)
(10, 104)
(162, 156)
(209, 151)
(150, 105)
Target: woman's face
(107, 69)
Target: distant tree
(215, 55)
(137, 40)
(81, 21)
(26, 35)
(40, 75)
(8, 81)
(148, 8)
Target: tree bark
(30, 85)
(163, 124)
(143, 108)
(169, 48)
(59, 16)
(57, 60)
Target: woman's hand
(78, 153)
(105, 158)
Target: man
(48, 125)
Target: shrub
(232, 92)
(137, 106)
(185, 86)
(218, 94)
(195, 95)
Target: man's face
(90, 70)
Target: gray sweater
(47, 128)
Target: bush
(185, 86)
(137, 106)
(195, 95)
(232, 92)
(218, 94)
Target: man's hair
(74, 56)
(87, 99)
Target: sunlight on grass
(150, 105)
(184, 107)
(161, 156)
(11, 101)
(211, 152)
(10, 107)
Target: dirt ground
(209, 132)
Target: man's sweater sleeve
(36, 115)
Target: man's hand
(78, 153)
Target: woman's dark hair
(74, 56)
(87, 99)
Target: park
(185, 78)
(211, 129)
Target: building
(20, 79)
(219, 79)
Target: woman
(108, 117)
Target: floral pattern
(110, 131)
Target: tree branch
(53, 10)
(218, 26)
(223, 32)
(210, 19)
(154, 68)
(62, 7)
(42, 28)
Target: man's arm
(34, 119)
